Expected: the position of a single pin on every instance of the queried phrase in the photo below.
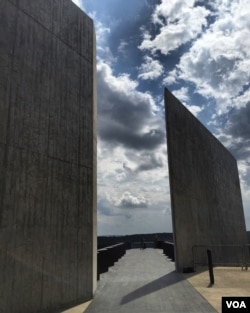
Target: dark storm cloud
(125, 115)
(239, 128)
(116, 134)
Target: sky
(200, 51)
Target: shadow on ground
(156, 285)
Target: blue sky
(199, 50)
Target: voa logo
(236, 304)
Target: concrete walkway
(145, 281)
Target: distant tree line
(106, 241)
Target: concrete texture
(205, 190)
(229, 282)
(47, 156)
(145, 281)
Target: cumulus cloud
(105, 207)
(144, 161)
(213, 62)
(218, 62)
(102, 31)
(170, 78)
(150, 69)
(182, 95)
(194, 109)
(180, 21)
(129, 201)
(126, 115)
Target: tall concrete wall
(204, 184)
(47, 156)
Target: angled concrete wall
(47, 156)
(204, 184)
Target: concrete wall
(204, 184)
(47, 156)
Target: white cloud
(131, 157)
(130, 201)
(124, 112)
(102, 32)
(218, 63)
(194, 109)
(150, 69)
(180, 21)
(182, 95)
(106, 53)
(241, 100)
(139, 197)
(78, 3)
(171, 78)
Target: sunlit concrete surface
(78, 309)
(229, 282)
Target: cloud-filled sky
(200, 51)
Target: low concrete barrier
(107, 257)
(168, 249)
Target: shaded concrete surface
(145, 281)
(47, 156)
(229, 282)
(205, 190)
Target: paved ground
(145, 281)
(79, 308)
(152, 284)
(229, 282)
